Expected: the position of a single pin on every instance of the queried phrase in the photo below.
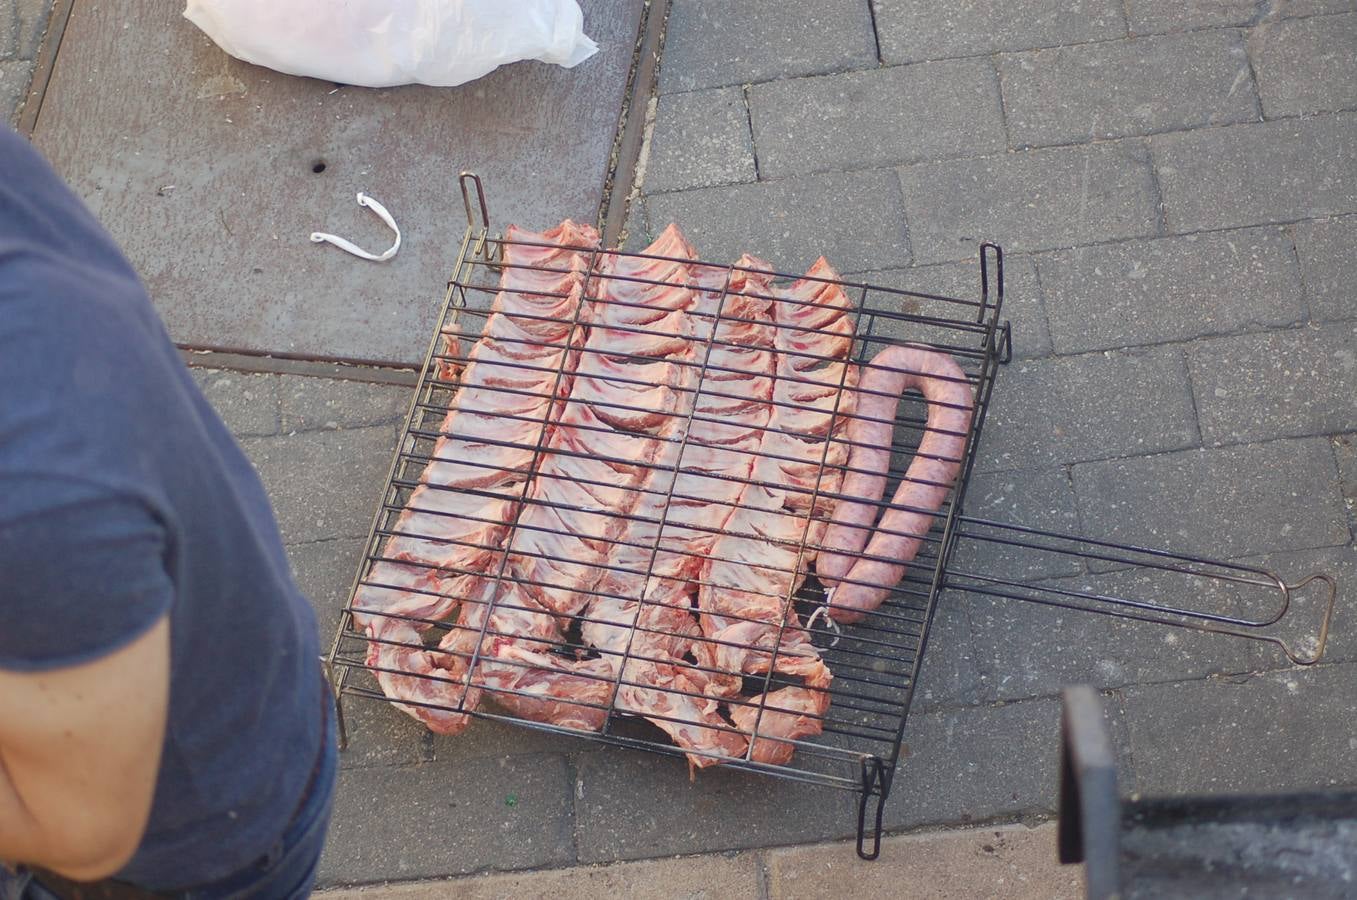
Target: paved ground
(1012, 862)
(22, 23)
(1176, 187)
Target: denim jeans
(286, 872)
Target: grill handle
(1192, 575)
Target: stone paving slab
(1324, 248)
(1345, 450)
(1155, 16)
(949, 676)
(634, 805)
(1306, 66)
(1065, 409)
(855, 219)
(248, 403)
(1037, 498)
(324, 570)
(1271, 171)
(868, 119)
(309, 404)
(1276, 384)
(1063, 647)
(1035, 200)
(714, 877)
(324, 484)
(711, 43)
(1023, 298)
(450, 817)
(1275, 496)
(1170, 289)
(1120, 88)
(1158, 16)
(977, 763)
(1013, 862)
(701, 139)
(911, 30)
(1283, 731)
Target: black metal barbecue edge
(872, 774)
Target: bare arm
(79, 753)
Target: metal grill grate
(574, 538)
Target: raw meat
(650, 450)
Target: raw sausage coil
(859, 585)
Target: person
(165, 726)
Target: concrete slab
(1170, 289)
(1293, 383)
(1119, 88)
(205, 169)
(862, 120)
(976, 763)
(449, 817)
(1029, 650)
(1055, 411)
(710, 43)
(1325, 248)
(855, 219)
(633, 805)
(1227, 177)
(922, 29)
(1036, 498)
(1023, 297)
(247, 402)
(324, 484)
(308, 404)
(1306, 66)
(1013, 862)
(1178, 501)
(737, 877)
(1087, 194)
(1235, 730)
(701, 139)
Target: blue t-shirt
(122, 498)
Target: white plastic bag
(380, 43)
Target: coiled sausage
(858, 584)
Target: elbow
(92, 850)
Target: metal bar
(1252, 627)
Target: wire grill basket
(610, 511)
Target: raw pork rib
(768, 543)
(446, 536)
(640, 617)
